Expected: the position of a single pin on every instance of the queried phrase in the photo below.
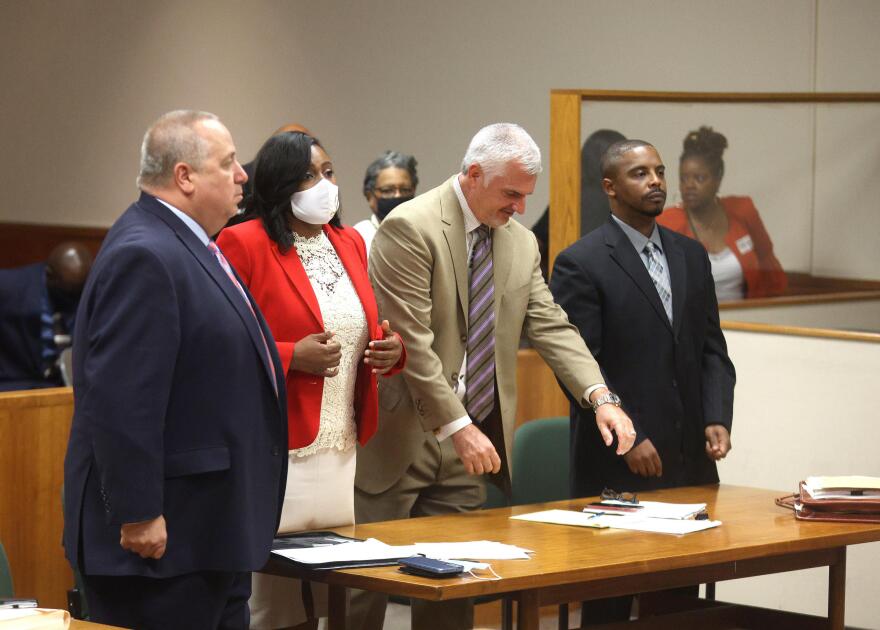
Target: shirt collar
(197, 229)
(637, 238)
(471, 222)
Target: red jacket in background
(747, 239)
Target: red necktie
(225, 264)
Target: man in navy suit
(37, 307)
(176, 464)
(643, 299)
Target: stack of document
(647, 516)
(848, 487)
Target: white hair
(172, 139)
(501, 143)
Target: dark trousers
(193, 601)
(615, 609)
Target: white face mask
(316, 205)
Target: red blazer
(284, 294)
(762, 272)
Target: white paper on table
(657, 525)
(34, 619)
(370, 549)
(562, 517)
(657, 509)
(472, 550)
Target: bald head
(614, 154)
(68, 267)
(172, 139)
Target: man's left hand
(612, 418)
(717, 441)
(384, 355)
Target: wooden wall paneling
(25, 243)
(538, 393)
(34, 428)
(565, 172)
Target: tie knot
(651, 248)
(213, 247)
(481, 234)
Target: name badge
(744, 244)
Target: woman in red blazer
(308, 274)
(740, 250)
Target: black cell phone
(429, 567)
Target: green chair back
(6, 589)
(541, 461)
(494, 497)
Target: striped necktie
(480, 376)
(225, 265)
(661, 283)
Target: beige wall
(804, 407)
(851, 315)
(83, 78)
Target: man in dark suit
(643, 299)
(177, 457)
(37, 307)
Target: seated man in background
(37, 308)
(390, 180)
(643, 299)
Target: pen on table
(597, 512)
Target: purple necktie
(225, 264)
(480, 376)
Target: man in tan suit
(449, 258)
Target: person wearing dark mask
(37, 310)
(390, 180)
(308, 274)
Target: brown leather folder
(806, 508)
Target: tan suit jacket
(419, 270)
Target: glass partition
(772, 181)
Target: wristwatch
(606, 398)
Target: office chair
(6, 588)
(535, 445)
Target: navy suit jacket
(673, 379)
(175, 409)
(21, 295)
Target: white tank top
(728, 276)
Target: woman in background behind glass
(740, 250)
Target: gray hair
(172, 139)
(390, 159)
(498, 144)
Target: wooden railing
(34, 428)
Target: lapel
(624, 254)
(453, 230)
(299, 281)
(212, 267)
(357, 273)
(677, 276)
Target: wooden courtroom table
(573, 564)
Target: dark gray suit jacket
(673, 379)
